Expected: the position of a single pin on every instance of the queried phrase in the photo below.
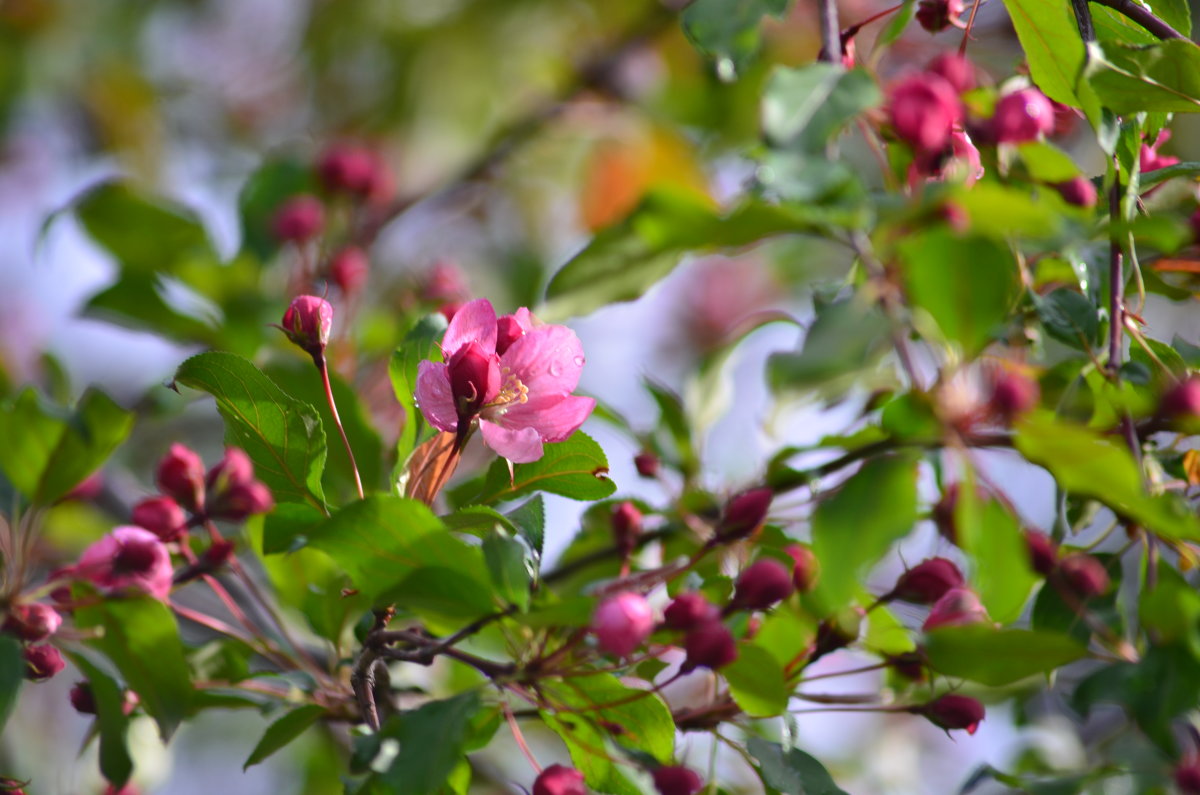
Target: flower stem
(337, 420)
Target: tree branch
(1143, 17)
(831, 39)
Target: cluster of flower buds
(33, 623)
(743, 514)
(668, 780)
(229, 490)
(939, 583)
(926, 111)
(1082, 575)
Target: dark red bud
(943, 513)
(83, 699)
(1013, 394)
(1187, 776)
(1182, 401)
(345, 168)
(762, 585)
(307, 323)
(1085, 575)
(709, 645)
(744, 513)
(508, 331)
(937, 15)
(42, 662)
(1078, 191)
(626, 527)
(689, 610)
(559, 780)
(242, 500)
(298, 220)
(927, 582)
(218, 553)
(910, 664)
(161, 516)
(1043, 552)
(953, 711)
(955, 70)
(474, 378)
(805, 567)
(646, 464)
(33, 622)
(677, 780)
(349, 269)
(181, 476)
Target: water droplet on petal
(555, 369)
(579, 361)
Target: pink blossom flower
(517, 384)
(1149, 158)
(128, 558)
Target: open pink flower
(128, 558)
(514, 375)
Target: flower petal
(519, 445)
(473, 322)
(548, 360)
(434, 397)
(554, 418)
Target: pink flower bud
(1078, 191)
(42, 662)
(927, 582)
(1022, 116)
(128, 558)
(181, 476)
(298, 220)
(349, 269)
(954, 69)
(677, 780)
(444, 282)
(83, 699)
(761, 585)
(1187, 776)
(924, 109)
(234, 469)
(709, 645)
(1149, 159)
(937, 15)
(559, 780)
(307, 323)
(957, 607)
(346, 168)
(88, 489)
(33, 621)
(1182, 401)
(689, 610)
(508, 331)
(474, 379)
(1085, 575)
(1043, 552)
(242, 500)
(744, 513)
(449, 310)
(647, 463)
(805, 567)
(626, 527)
(953, 711)
(1013, 394)
(622, 623)
(161, 516)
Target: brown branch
(1143, 17)
(831, 39)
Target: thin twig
(831, 39)
(1143, 16)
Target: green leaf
(115, 763)
(283, 731)
(432, 741)
(286, 527)
(791, 771)
(672, 418)
(845, 337)
(420, 343)
(141, 638)
(1088, 464)
(142, 233)
(282, 435)
(967, 284)
(1148, 179)
(641, 719)
(992, 538)
(806, 107)
(1162, 77)
(530, 519)
(12, 676)
(1052, 45)
(510, 564)
(855, 527)
(575, 468)
(727, 30)
(997, 657)
(1069, 317)
(1046, 162)
(756, 682)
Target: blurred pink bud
(1194, 223)
(559, 780)
(1013, 394)
(744, 513)
(647, 463)
(710, 645)
(761, 585)
(677, 780)
(307, 323)
(42, 662)
(444, 281)
(161, 516)
(235, 468)
(128, 558)
(1022, 116)
(927, 582)
(937, 15)
(1078, 191)
(1149, 158)
(622, 623)
(953, 711)
(83, 699)
(1085, 575)
(181, 476)
(957, 607)
(449, 310)
(88, 489)
(346, 168)
(689, 610)
(298, 220)
(943, 513)
(32, 621)
(924, 109)
(349, 269)
(1182, 401)
(1187, 776)
(626, 527)
(242, 500)
(805, 567)
(955, 69)
(1043, 552)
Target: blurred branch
(1143, 16)
(831, 40)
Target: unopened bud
(622, 623)
(626, 527)
(307, 323)
(298, 220)
(927, 582)
(677, 780)
(1085, 575)
(33, 622)
(937, 15)
(1013, 394)
(709, 645)
(559, 780)
(1022, 116)
(349, 269)
(474, 379)
(688, 610)
(162, 516)
(235, 468)
(181, 476)
(923, 110)
(647, 464)
(509, 329)
(761, 585)
(744, 513)
(42, 662)
(346, 168)
(1078, 191)
(958, 607)
(1043, 552)
(1187, 776)
(805, 567)
(1182, 401)
(83, 699)
(944, 511)
(955, 69)
(242, 500)
(953, 711)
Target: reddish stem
(337, 420)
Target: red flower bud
(83, 699)
(1187, 776)
(689, 610)
(559, 780)
(761, 585)
(242, 500)
(161, 516)
(744, 513)
(677, 780)
(181, 475)
(33, 621)
(956, 608)
(509, 329)
(1013, 394)
(346, 168)
(307, 323)
(1085, 575)
(474, 379)
(943, 513)
(449, 310)
(42, 662)
(622, 623)
(1078, 191)
(805, 567)
(1043, 552)
(647, 462)
(955, 70)
(234, 469)
(1182, 401)
(349, 269)
(924, 109)
(927, 582)
(937, 15)
(626, 527)
(298, 220)
(709, 645)
(1022, 116)
(953, 711)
